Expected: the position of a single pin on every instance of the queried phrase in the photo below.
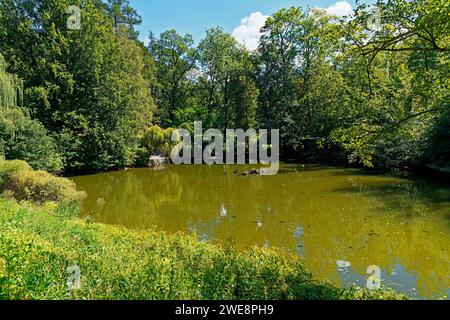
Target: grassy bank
(38, 244)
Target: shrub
(19, 181)
(26, 139)
(8, 168)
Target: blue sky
(195, 16)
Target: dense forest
(371, 89)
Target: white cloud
(340, 9)
(249, 32)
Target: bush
(19, 181)
(8, 168)
(26, 139)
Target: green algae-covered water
(340, 221)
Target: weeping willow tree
(8, 97)
(21, 137)
(11, 87)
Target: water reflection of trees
(130, 198)
(401, 196)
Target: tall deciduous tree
(397, 65)
(86, 86)
(229, 90)
(176, 59)
(297, 76)
(124, 16)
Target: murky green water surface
(341, 221)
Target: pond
(340, 221)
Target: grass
(38, 244)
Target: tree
(21, 137)
(297, 76)
(175, 59)
(403, 25)
(125, 16)
(402, 68)
(156, 140)
(438, 152)
(227, 85)
(11, 87)
(277, 74)
(244, 96)
(89, 87)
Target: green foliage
(121, 264)
(124, 16)
(244, 101)
(416, 25)
(213, 82)
(19, 181)
(26, 139)
(397, 80)
(227, 81)
(381, 96)
(301, 88)
(10, 87)
(20, 136)
(439, 147)
(176, 61)
(90, 84)
(9, 168)
(157, 140)
(376, 95)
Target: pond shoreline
(323, 214)
(426, 173)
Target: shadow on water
(406, 197)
